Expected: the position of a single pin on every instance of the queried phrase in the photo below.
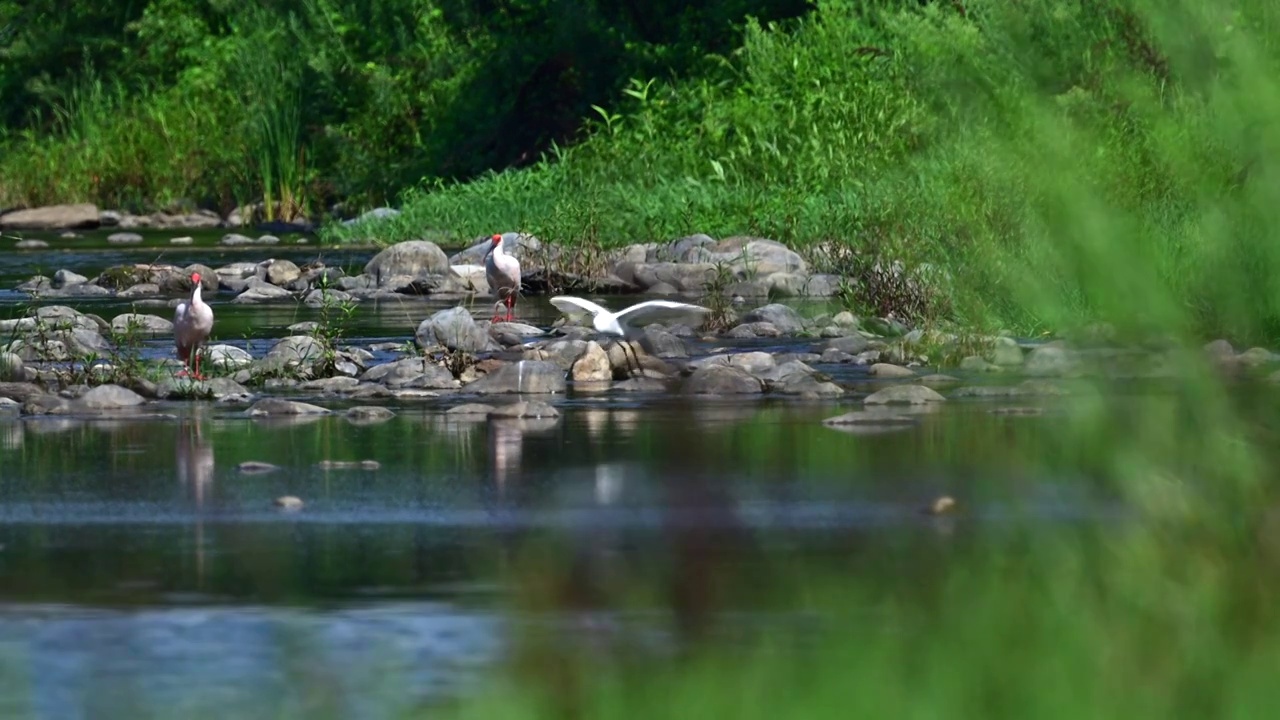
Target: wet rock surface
(748, 267)
(759, 345)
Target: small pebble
(288, 502)
(942, 505)
(253, 467)
(348, 465)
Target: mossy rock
(121, 277)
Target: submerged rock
(254, 467)
(369, 414)
(875, 420)
(349, 465)
(278, 406)
(904, 394)
(525, 409)
(470, 410)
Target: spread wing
(576, 306)
(662, 311)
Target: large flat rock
(52, 217)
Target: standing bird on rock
(192, 323)
(503, 273)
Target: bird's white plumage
(625, 321)
(192, 324)
(502, 271)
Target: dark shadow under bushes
(388, 92)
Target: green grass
(1064, 162)
(109, 147)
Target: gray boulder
(412, 258)
(52, 217)
(522, 376)
(109, 397)
(904, 395)
(454, 329)
(141, 324)
(787, 320)
(719, 379)
(278, 406)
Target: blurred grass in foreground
(1167, 609)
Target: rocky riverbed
(56, 359)
(737, 267)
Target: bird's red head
(195, 278)
(496, 239)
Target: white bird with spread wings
(628, 322)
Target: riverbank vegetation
(1061, 162)
(305, 102)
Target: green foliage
(1061, 162)
(318, 100)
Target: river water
(145, 573)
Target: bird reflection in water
(506, 447)
(194, 459)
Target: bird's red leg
(511, 306)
